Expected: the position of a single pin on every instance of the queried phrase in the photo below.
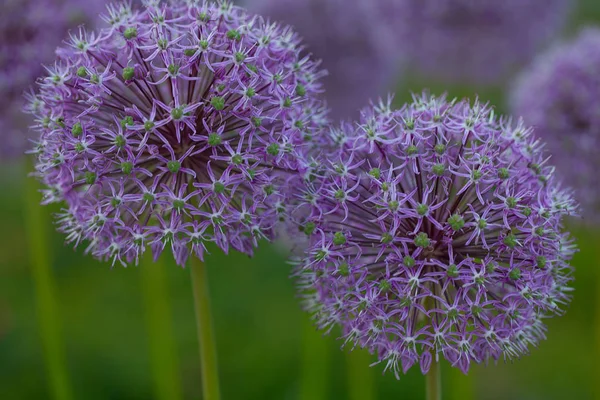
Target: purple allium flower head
(559, 94)
(436, 231)
(30, 32)
(479, 41)
(176, 126)
(352, 37)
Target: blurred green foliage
(266, 347)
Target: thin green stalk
(160, 335)
(206, 337)
(316, 358)
(461, 385)
(433, 382)
(360, 378)
(37, 224)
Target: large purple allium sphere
(559, 94)
(478, 41)
(435, 232)
(353, 38)
(176, 126)
(30, 32)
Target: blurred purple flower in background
(559, 94)
(30, 32)
(478, 41)
(354, 38)
(175, 127)
(435, 231)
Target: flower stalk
(158, 318)
(206, 337)
(36, 222)
(433, 382)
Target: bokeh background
(266, 346)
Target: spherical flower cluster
(353, 38)
(559, 94)
(30, 31)
(436, 231)
(479, 41)
(174, 127)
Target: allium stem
(158, 319)
(316, 363)
(433, 382)
(36, 223)
(359, 377)
(206, 339)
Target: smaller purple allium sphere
(559, 94)
(353, 38)
(436, 231)
(177, 126)
(478, 41)
(30, 32)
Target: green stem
(206, 337)
(160, 335)
(360, 377)
(316, 359)
(36, 224)
(433, 382)
(461, 385)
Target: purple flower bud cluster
(354, 38)
(478, 41)
(30, 31)
(175, 126)
(435, 231)
(559, 94)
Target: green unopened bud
(309, 228)
(148, 125)
(452, 271)
(375, 173)
(456, 222)
(408, 261)
(422, 240)
(412, 150)
(233, 35)
(174, 166)
(81, 72)
(130, 33)
(503, 173)
(177, 113)
(273, 149)
(438, 169)
(385, 285)
(90, 177)
(120, 141)
(300, 90)
(541, 261)
(511, 202)
(422, 209)
(127, 167)
(128, 73)
(440, 148)
(218, 103)
(514, 274)
(339, 239)
(77, 129)
(218, 187)
(510, 240)
(386, 238)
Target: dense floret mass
(356, 39)
(176, 126)
(30, 32)
(559, 94)
(436, 231)
(479, 41)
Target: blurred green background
(266, 346)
